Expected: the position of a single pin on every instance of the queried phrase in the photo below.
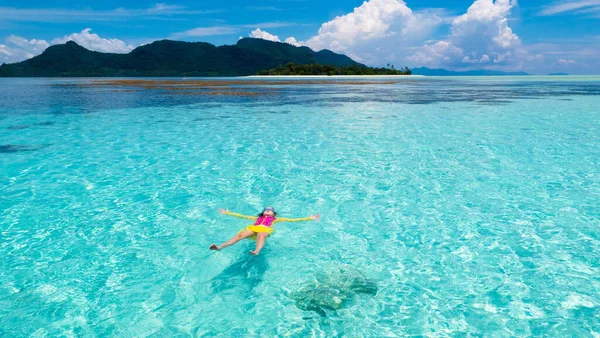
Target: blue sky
(536, 36)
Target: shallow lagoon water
(474, 204)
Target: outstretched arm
(309, 218)
(227, 212)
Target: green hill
(172, 58)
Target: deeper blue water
(469, 207)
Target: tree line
(317, 69)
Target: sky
(538, 37)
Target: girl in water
(261, 229)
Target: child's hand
(223, 211)
(315, 217)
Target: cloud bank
(385, 31)
(375, 32)
(479, 37)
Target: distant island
(172, 58)
(317, 69)
(558, 74)
(479, 72)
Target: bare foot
(214, 247)
(254, 253)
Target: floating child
(261, 229)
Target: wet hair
(263, 213)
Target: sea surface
(450, 207)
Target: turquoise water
(473, 205)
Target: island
(317, 69)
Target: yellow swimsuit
(263, 224)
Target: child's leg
(235, 239)
(261, 237)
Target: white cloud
(17, 48)
(94, 42)
(566, 62)
(375, 28)
(560, 7)
(206, 31)
(260, 34)
(481, 36)
(292, 41)
(33, 45)
(371, 20)
(436, 52)
(364, 28)
(160, 7)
